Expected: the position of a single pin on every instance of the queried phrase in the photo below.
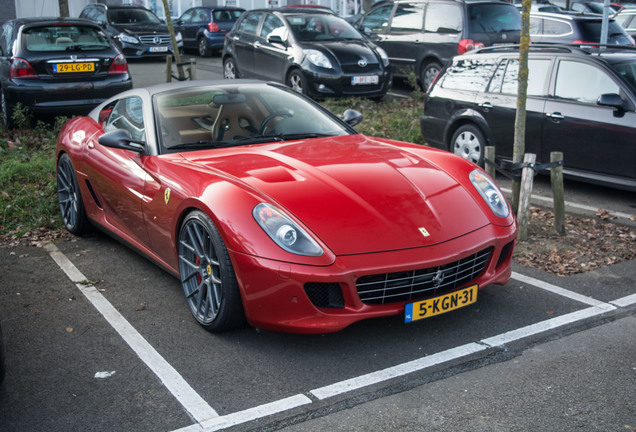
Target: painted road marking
(207, 420)
(174, 382)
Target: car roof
(570, 16)
(608, 51)
(296, 10)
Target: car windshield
(132, 16)
(64, 38)
(627, 70)
(321, 27)
(238, 114)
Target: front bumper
(275, 294)
(335, 86)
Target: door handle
(486, 106)
(555, 116)
(257, 44)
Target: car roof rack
(590, 48)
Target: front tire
(70, 198)
(469, 142)
(207, 275)
(296, 81)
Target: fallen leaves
(590, 243)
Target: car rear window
(226, 15)
(486, 18)
(468, 74)
(64, 38)
(591, 30)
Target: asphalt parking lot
(98, 338)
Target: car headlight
(318, 58)
(383, 56)
(490, 193)
(285, 232)
(128, 39)
(178, 37)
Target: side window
(535, 25)
(5, 39)
(128, 115)
(443, 18)
(471, 75)
(556, 28)
(582, 82)
(377, 20)
(250, 23)
(538, 70)
(200, 15)
(272, 26)
(408, 18)
(186, 18)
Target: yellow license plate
(439, 305)
(73, 67)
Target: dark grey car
(421, 36)
(579, 102)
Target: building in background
(10, 9)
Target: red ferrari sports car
(271, 210)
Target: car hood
(356, 194)
(138, 29)
(346, 51)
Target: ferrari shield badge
(166, 195)
(424, 232)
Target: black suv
(579, 102)
(575, 28)
(423, 35)
(137, 30)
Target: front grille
(155, 40)
(371, 68)
(417, 284)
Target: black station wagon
(579, 102)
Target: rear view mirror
(352, 117)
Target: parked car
(579, 102)
(137, 30)
(423, 35)
(309, 49)
(204, 28)
(58, 65)
(626, 18)
(575, 28)
(270, 209)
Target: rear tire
(204, 48)
(70, 198)
(429, 72)
(469, 142)
(229, 69)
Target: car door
(184, 25)
(116, 176)
(271, 56)
(593, 138)
(498, 105)
(243, 41)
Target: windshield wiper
(296, 136)
(199, 144)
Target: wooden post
(489, 154)
(558, 194)
(525, 192)
(192, 69)
(168, 68)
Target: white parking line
(174, 382)
(207, 420)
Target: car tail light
(466, 45)
(21, 68)
(118, 66)
(213, 27)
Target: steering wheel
(263, 127)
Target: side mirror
(612, 100)
(352, 117)
(121, 139)
(276, 39)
